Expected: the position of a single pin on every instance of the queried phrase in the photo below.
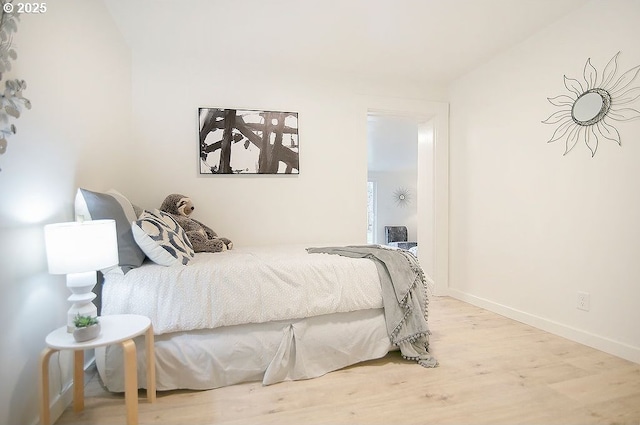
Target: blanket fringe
(406, 306)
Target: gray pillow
(96, 206)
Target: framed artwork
(242, 141)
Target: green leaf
(12, 111)
(11, 25)
(84, 321)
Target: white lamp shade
(77, 247)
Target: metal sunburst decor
(590, 110)
(402, 197)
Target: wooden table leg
(130, 381)
(151, 366)
(78, 380)
(45, 413)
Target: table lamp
(78, 249)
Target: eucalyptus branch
(11, 99)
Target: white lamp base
(81, 285)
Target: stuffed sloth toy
(203, 238)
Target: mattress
(240, 286)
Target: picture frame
(247, 141)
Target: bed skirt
(269, 352)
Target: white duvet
(244, 285)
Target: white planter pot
(86, 334)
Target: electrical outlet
(584, 301)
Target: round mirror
(591, 107)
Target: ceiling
(426, 42)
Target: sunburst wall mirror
(589, 112)
(402, 197)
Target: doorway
(401, 181)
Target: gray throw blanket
(404, 297)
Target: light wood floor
(492, 370)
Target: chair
(395, 234)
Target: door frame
(435, 115)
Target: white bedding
(267, 313)
(268, 352)
(244, 285)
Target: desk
(114, 329)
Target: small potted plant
(87, 328)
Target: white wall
(529, 227)
(77, 70)
(326, 202)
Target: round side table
(114, 329)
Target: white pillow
(162, 239)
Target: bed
(265, 314)
(270, 314)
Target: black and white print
(240, 141)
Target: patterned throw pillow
(162, 239)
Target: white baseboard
(59, 402)
(616, 348)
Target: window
(371, 212)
